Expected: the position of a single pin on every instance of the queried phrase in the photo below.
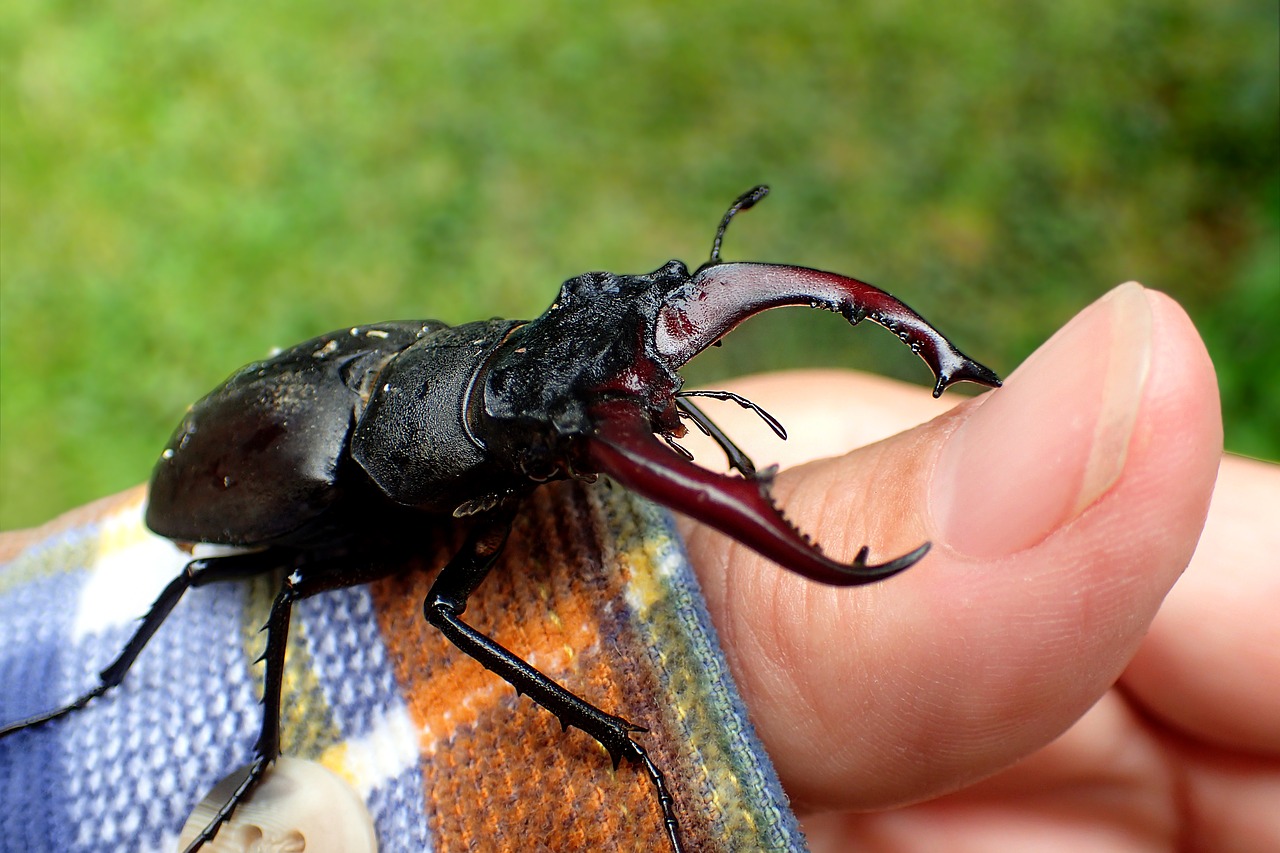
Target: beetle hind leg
(444, 606)
(195, 573)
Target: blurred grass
(184, 186)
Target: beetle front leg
(447, 601)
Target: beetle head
(593, 384)
(594, 343)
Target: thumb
(1061, 508)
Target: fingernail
(1054, 439)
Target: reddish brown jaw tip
(625, 448)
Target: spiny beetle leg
(308, 578)
(447, 601)
(195, 573)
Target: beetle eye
(537, 465)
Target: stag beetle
(310, 458)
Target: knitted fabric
(594, 590)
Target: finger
(1061, 507)
(1211, 662)
(1230, 799)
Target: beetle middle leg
(309, 577)
(447, 601)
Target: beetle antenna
(774, 423)
(746, 201)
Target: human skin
(1048, 677)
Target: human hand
(1012, 690)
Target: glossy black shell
(288, 449)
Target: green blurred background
(186, 185)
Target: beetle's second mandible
(329, 451)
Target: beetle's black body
(320, 458)
(442, 419)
